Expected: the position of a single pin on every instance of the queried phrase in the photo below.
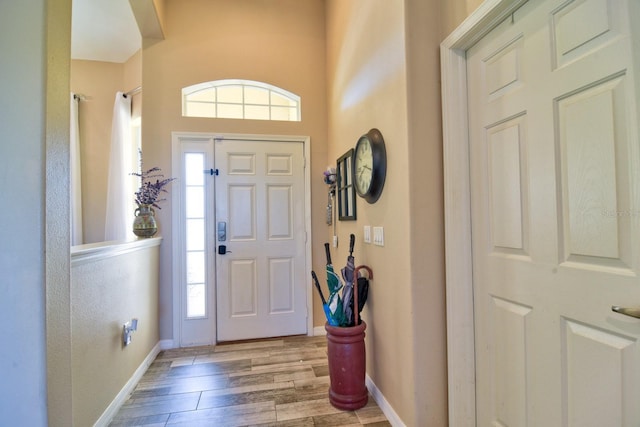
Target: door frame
(457, 206)
(176, 138)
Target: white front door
(260, 265)
(259, 287)
(555, 215)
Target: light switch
(378, 236)
(367, 234)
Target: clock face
(363, 166)
(370, 166)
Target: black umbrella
(362, 291)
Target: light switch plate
(378, 236)
(367, 234)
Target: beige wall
(99, 82)
(452, 13)
(132, 72)
(106, 293)
(426, 212)
(367, 86)
(159, 7)
(383, 71)
(278, 42)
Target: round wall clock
(370, 166)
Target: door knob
(633, 312)
(222, 250)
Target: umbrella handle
(356, 312)
(317, 283)
(365, 267)
(327, 251)
(352, 242)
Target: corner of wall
(149, 15)
(56, 236)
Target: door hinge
(215, 172)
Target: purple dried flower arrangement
(152, 185)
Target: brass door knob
(633, 312)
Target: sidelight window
(195, 232)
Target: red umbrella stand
(347, 360)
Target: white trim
(178, 142)
(92, 252)
(459, 274)
(176, 244)
(123, 395)
(176, 138)
(387, 410)
(319, 331)
(307, 228)
(167, 345)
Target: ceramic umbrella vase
(144, 225)
(347, 366)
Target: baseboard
(123, 395)
(386, 408)
(319, 331)
(167, 344)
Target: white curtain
(118, 219)
(75, 186)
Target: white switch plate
(378, 236)
(367, 234)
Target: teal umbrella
(334, 284)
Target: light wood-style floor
(274, 382)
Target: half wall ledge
(92, 252)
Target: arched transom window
(240, 99)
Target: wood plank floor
(274, 382)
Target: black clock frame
(379, 171)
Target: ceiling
(103, 30)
